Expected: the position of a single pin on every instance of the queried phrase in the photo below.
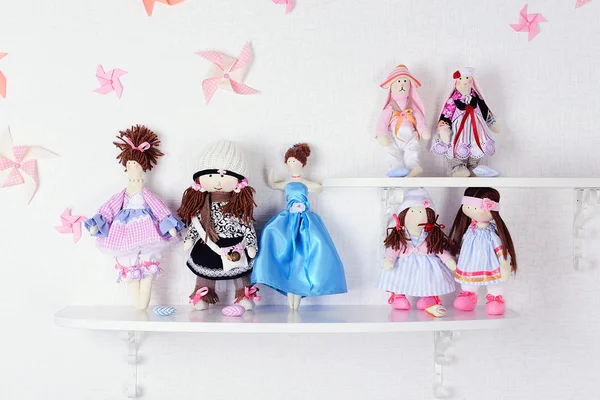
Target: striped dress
(417, 274)
(479, 258)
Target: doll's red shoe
(429, 301)
(494, 305)
(399, 301)
(466, 301)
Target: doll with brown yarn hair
(417, 259)
(218, 209)
(486, 253)
(135, 225)
(298, 257)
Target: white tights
(496, 289)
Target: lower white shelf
(279, 319)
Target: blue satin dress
(296, 253)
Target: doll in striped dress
(486, 254)
(417, 259)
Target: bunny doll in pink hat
(465, 126)
(402, 123)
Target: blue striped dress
(479, 258)
(419, 275)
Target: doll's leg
(458, 168)
(494, 300)
(297, 300)
(467, 299)
(150, 267)
(290, 297)
(411, 157)
(128, 265)
(472, 163)
(240, 292)
(394, 152)
(210, 297)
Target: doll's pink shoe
(425, 302)
(494, 305)
(466, 301)
(399, 301)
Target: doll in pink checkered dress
(135, 225)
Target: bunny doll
(135, 224)
(219, 209)
(417, 260)
(298, 257)
(486, 254)
(402, 123)
(464, 126)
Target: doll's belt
(406, 113)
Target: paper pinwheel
(2, 79)
(18, 164)
(226, 73)
(289, 4)
(71, 224)
(110, 81)
(581, 3)
(149, 4)
(528, 23)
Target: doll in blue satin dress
(297, 256)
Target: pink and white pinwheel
(289, 4)
(528, 23)
(149, 4)
(71, 224)
(2, 79)
(226, 73)
(18, 164)
(581, 3)
(110, 81)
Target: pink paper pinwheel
(149, 4)
(528, 23)
(71, 224)
(109, 81)
(18, 164)
(2, 79)
(289, 4)
(581, 3)
(226, 73)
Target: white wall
(318, 70)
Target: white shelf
(279, 319)
(499, 182)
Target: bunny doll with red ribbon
(135, 225)
(417, 260)
(486, 254)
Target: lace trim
(219, 273)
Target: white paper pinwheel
(226, 73)
(18, 164)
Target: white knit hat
(223, 155)
(417, 197)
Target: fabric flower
(487, 204)
(298, 208)
(426, 203)
(222, 171)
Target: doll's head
(222, 175)
(482, 205)
(139, 150)
(464, 81)
(296, 157)
(401, 86)
(401, 82)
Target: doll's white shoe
(201, 306)
(485, 172)
(461, 172)
(247, 304)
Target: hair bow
(491, 297)
(200, 293)
(429, 226)
(251, 293)
(142, 147)
(398, 225)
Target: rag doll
(218, 209)
(402, 123)
(297, 256)
(486, 254)
(417, 259)
(465, 126)
(135, 225)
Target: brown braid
(191, 203)
(139, 134)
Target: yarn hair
(138, 134)
(437, 241)
(300, 151)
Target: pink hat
(399, 71)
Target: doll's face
(464, 84)
(401, 86)
(218, 183)
(134, 169)
(476, 213)
(414, 217)
(294, 166)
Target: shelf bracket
(132, 340)
(586, 203)
(441, 341)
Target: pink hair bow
(488, 204)
(251, 293)
(200, 293)
(491, 297)
(289, 4)
(227, 72)
(198, 187)
(241, 184)
(142, 147)
(398, 225)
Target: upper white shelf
(279, 319)
(499, 182)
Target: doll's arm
(191, 238)
(168, 224)
(100, 223)
(251, 241)
(271, 181)
(422, 127)
(390, 257)
(490, 119)
(313, 186)
(383, 125)
(448, 260)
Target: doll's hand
(173, 232)
(426, 134)
(495, 127)
(94, 230)
(271, 179)
(388, 264)
(451, 264)
(383, 140)
(187, 244)
(251, 252)
(444, 132)
(505, 269)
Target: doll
(464, 126)
(402, 123)
(417, 259)
(298, 257)
(135, 225)
(218, 209)
(486, 254)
